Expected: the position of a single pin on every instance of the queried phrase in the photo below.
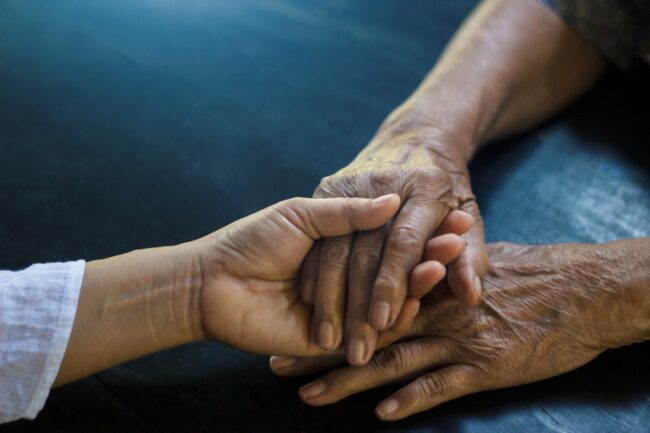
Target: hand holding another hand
(249, 270)
(546, 310)
(358, 283)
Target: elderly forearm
(132, 305)
(511, 65)
(626, 318)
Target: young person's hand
(238, 285)
(249, 270)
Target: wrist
(183, 270)
(160, 283)
(414, 127)
(412, 140)
(129, 306)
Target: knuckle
(406, 238)
(351, 206)
(295, 210)
(390, 361)
(327, 187)
(364, 260)
(389, 287)
(433, 176)
(432, 185)
(335, 254)
(432, 385)
(290, 204)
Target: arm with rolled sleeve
(37, 311)
(618, 29)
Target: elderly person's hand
(237, 285)
(358, 283)
(250, 296)
(546, 310)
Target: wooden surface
(128, 124)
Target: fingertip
(387, 410)
(456, 221)
(444, 248)
(380, 312)
(411, 307)
(424, 277)
(281, 364)
(311, 392)
(385, 207)
(327, 335)
(465, 285)
(464, 221)
(356, 352)
(388, 200)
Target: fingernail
(312, 390)
(356, 351)
(380, 315)
(326, 336)
(478, 287)
(386, 408)
(282, 362)
(383, 199)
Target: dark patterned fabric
(618, 28)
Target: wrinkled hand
(373, 268)
(249, 296)
(546, 310)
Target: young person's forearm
(511, 65)
(130, 306)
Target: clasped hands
(329, 280)
(538, 315)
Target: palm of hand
(257, 261)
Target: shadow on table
(231, 391)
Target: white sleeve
(37, 310)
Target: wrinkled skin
(347, 277)
(545, 310)
(249, 270)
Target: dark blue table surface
(128, 124)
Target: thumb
(327, 217)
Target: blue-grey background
(130, 124)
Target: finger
(402, 325)
(424, 277)
(299, 366)
(404, 247)
(360, 337)
(457, 221)
(328, 217)
(429, 391)
(309, 274)
(466, 272)
(329, 305)
(444, 248)
(439, 251)
(394, 363)
(288, 366)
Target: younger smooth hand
(250, 297)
